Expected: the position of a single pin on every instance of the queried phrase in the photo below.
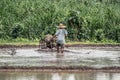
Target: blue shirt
(61, 33)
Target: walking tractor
(47, 43)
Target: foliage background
(86, 20)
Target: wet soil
(74, 58)
(60, 69)
(68, 45)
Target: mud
(74, 58)
(67, 45)
(60, 69)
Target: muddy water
(73, 56)
(58, 76)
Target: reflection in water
(58, 76)
(116, 77)
(59, 59)
(102, 76)
(71, 77)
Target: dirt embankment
(62, 69)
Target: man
(61, 33)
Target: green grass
(14, 42)
(72, 43)
(20, 43)
(36, 42)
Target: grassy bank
(36, 42)
(19, 42)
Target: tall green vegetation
(93, 20)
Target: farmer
(61, 33)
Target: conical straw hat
(61, 26)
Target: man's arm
(54, 36)
(57, 32)
(66, 33)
